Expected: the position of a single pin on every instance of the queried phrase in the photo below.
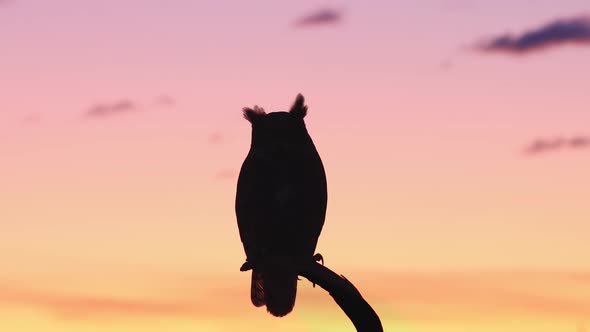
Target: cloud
(125, 105)
(480, 296)
(446, 64)
(215, 138)
(31, 119)
(219, 137)
(320, 17)
(104, 110)
(165, 101)
(84, 306)
(69, 305)
(542, 145)
(419, 296)
(227, 174)
(574, 30)
(580, 142)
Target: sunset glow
(458, 183)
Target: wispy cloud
(165, 101)
(419, 296)
(446, 64)
(574, 30)
(31, 119)
(215, 138)
(485, 295)
(198, 302)
(219, 137)
(580, 142)
(86, 306)
(227, 174)
(103, 110)
(324, 16)
(543, 145)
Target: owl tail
(257, 289)
(275, 288)
(280, 288)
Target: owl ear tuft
(299, 108)
(253, 114)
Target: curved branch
(346, 295)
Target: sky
(455, 136)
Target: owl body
(281, 202)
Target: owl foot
(319, 258)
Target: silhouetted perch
(345, 294)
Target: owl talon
(247, 266)
(319, 258)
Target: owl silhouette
(281, 204)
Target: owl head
(279, 131)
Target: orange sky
(121, 136)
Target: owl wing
(250, 201)
(310, 205)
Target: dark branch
(345, 294)
(349, 299)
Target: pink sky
(125, 221)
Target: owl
(281, 203)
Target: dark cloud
(542, 145)
(563, 31)
(580, 142)
(320, 17)
(102, 110)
